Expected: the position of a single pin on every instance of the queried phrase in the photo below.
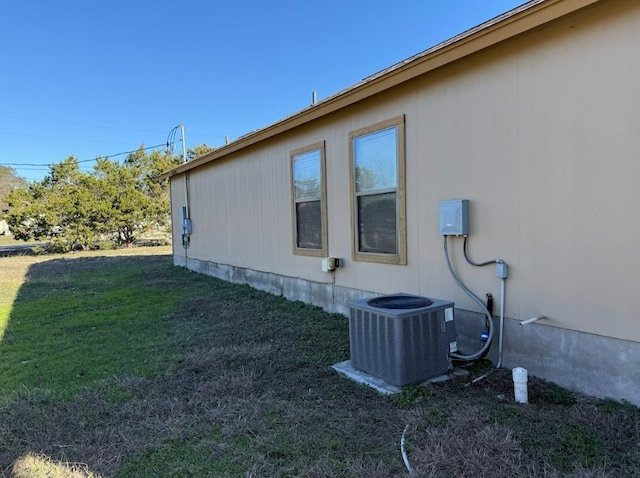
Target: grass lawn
(118, 364)
(8, 240)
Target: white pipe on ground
(520, 391)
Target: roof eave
(519, 20)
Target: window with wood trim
(377, 192)
(309, 200)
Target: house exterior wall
(540, 133)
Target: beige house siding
(541, 134)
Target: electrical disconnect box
(186, 221)
(330, 264)
(186, 227)
(454, 217)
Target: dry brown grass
(40, 466)
(246, 389)
(479, 431)
(470, 445)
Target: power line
(199, 135)
(28, 167)
(78, 124)
(57, 137)
(85, 160)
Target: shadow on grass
(128, 366)
(75, 326)
(19, 249)
(136, 368)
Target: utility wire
(76, 124)
(57, 137)
(203, 135)
(87, 160)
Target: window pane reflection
(376, 160)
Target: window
(377, 192)
(309, 210)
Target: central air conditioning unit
(401, 338)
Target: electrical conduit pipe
(502, 275)
(479, 301)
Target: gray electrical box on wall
(186, 221)
(454, 217)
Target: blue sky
(96, 78)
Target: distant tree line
(109, 205)
(8, 182)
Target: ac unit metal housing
(402, 338)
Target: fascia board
(508, 25)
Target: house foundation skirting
(598, 366)
(330, 297)
(602, 367)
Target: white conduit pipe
(405, 458)
(502, 276)
(501, 328)
(500, 338)
(532, 319)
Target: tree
(198, 150)
(8, 182)
(61, 208)
(114, 201)
(126, 205)
(146, 169)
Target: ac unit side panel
(371, 336)
(421, 357)
(400, 349)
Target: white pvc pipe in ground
(521, 394)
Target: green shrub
(105, 245)
(57, 247)
(411, 396)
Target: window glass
(375, 160)
(309, 220)
(377, 188)
(306, 175)
(377, 220)
(309, 213)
